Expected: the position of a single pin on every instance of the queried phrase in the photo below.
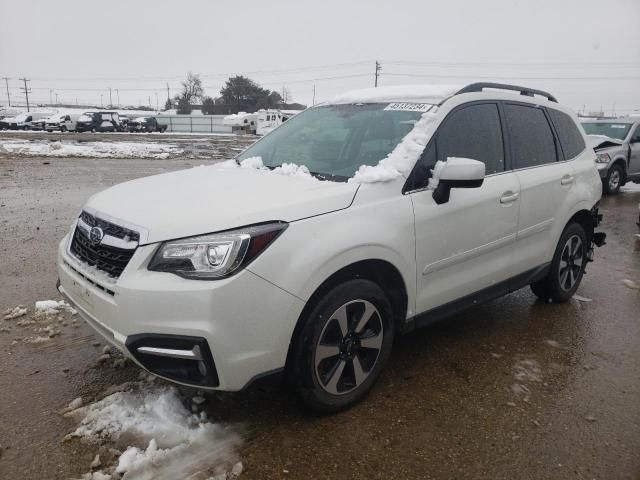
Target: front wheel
(342, 347)
(567, 266)
(614, 180)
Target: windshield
(608, 129)
(333, 141)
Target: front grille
(110, 228)
(109, 259)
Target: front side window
(473, 132)
(530, 135)
(333, 141)
(615, 130)
(568, 134)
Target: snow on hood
(433, 94)
(602, 141)
(403, 157)
(218, 197)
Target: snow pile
(435, 175)
(293, 170)
(402, 159)
(288, 169)
(91, 149)
(164, 440)
(252, 162)
(11, 313)
(52, 307)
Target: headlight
(602, 158)
(217, 255)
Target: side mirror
(457, 173)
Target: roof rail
(529, 92)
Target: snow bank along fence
(194, 123)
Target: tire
(335, 363)
(93, 129)
(63, 129)
(567, 266)
(614, 180)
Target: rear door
(545, 181)
(466, 244)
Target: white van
(64, 122)
(25, 120)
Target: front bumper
(246, 321)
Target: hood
(209, 199)
(598, 142)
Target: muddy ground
(514, 389)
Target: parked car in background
(124, 122)
(24, 121)
(65, 122)
(101, 121)
(617, 145)
(483, 190)
(145, 124)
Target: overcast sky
(586, 52)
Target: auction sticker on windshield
(409, 107)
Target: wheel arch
(381, 272)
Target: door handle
(509, 197)
(567, 179)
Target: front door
(466, 244)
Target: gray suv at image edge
(617, 145)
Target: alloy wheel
(348, 347)
(571, 262)
(614, 180)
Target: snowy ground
(152, 435)
(63, 148)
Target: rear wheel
(567, 266)
(614, 180)
(342, 347)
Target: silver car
(617, 145)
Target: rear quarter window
(568, 134)
(530, 136)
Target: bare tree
(192, 89)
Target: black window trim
(556, 141)
(505, 150)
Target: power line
(514, 64)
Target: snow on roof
(401, 93)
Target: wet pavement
(514, 389)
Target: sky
(585, 52)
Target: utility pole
(118, 96)
(314, 95)
(26, 90)
(110, 101)
(149, 100)
(378, 68)
(168, 93)
(101, 104)
(6, 82)
(57, 99)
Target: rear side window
(473, 132)
(530, 135)
(568, 133)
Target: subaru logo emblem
(96, 235)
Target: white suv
(308, 253)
